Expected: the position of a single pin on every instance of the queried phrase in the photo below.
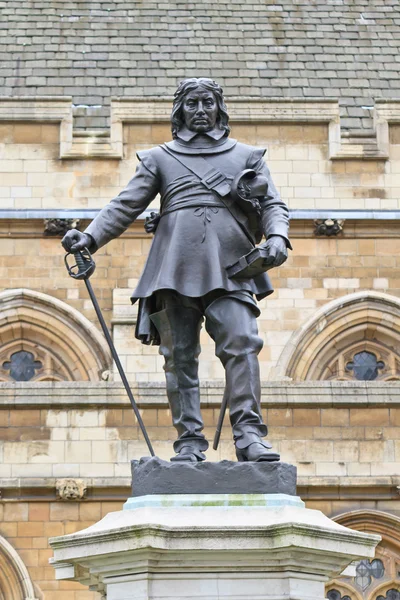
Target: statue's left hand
(277, 251)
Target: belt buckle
(212, 179)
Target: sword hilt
(84, 265)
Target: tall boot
(232, 325)
(179, 329)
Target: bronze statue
(217, 199)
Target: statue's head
(211, 95)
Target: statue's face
(200, 110)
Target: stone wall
(334, 297)
(28, 527)
(341, 430)
(320, 270)
(75, 440)
(33, 176)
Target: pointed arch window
(364, 360)
(44, 339)
(356, 337)
(378, 578)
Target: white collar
(187, 135)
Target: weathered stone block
(155, 476)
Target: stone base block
(210, 548)
(155, 476)
(220, 500)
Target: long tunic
(197, 236)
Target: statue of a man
(202, 230)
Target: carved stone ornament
(71, 489)
(328, 227)
(53, 227)
(22, 366)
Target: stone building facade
(87, 85)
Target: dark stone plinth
(152, 476)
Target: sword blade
(118, 363)
(220, 421)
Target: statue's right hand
(75, 241)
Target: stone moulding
(241, 110)
(162, 536)
(374, 521)
(380, 223)
(278, 394)
(230, 545)
(386, 111)
(118, 488)
(275, 394)
(58, 109)
(41, 109)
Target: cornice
(75, 145)
(280, 394)
(119, 489)
(21, 224)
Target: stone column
(214, 546)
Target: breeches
(230, 320)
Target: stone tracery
(43, 339)
(375, 579)
(355, 337)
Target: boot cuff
(249, 437)
(196, 443)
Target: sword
(220, 421)
(83, 269)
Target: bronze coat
(197, 237)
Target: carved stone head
(71, 489)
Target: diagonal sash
(213, 180)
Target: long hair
(188, 85)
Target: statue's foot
(257, 452)
(189, 454)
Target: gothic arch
(361, 322)
(387, 555)
(374, 521)
(15, 582)
(65, 344)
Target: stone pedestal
(210, 547)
